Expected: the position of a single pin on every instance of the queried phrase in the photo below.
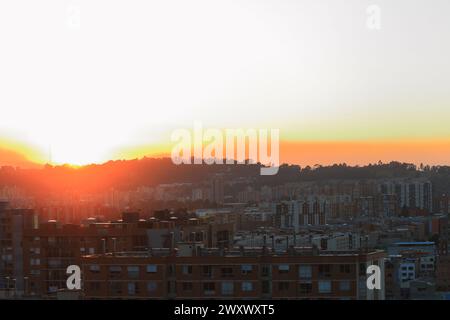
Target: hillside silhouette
(129, 174)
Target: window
(133, 272)
(152, 268)
(266, 287)
(187, 286)
(305, 288)
(344, 285)
(265, 270)
(186, 269)
(35, 262)
(51, 241)
(171, 287)
(171, 269)
(115, 287)
(115, 269)
(151, 287)
(324, 286)
(344, 268)
(53, 288)
(94, 268)
(283, 286)
(247, 286)
(324, 270)
(115, 272)
(54, 263)
(227, 288)
(362, 269)
(305, 272)
(94, 286)
(209, 287)
(227, 272)
(131, 288)
(246, 269)
(91, 251)
(207, 271)
(283, 268)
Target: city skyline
(237, 157)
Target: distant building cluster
(229, 239)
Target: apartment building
(14, 223)
(300, 213)
(193, 272)
(50, 249)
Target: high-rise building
(296, 213)
(14, 223)
(217, 190)
(417, 193)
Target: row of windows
(245, 269)
(304, 271)
(132, 270)
(226, 288)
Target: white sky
(136, 69)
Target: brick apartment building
(443, 273)
(13, 223)
(49, 250)
(252, 273)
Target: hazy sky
(131, 71)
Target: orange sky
(426, 151)
(435, 152)
(364, 152)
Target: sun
(75, 155)
(77, 146)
